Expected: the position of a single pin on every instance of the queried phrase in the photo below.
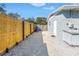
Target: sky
(29, 10)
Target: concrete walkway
(42, 44)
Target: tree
(2, 10)
(41, 20)
(30, 20)
(15, 15)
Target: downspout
(71, 26)
(70, 16)
(70, 13)
(69, 21)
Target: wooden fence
(13, 31)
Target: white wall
(62, 18)
(42, 27)
(61, 24)
(75, 18)
(51, 26)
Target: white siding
(62, 18)
(50, 27)
(61, 25)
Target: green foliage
(15, 15)
(41, 20)
(30, 20)
(2, 10)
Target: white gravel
(42, 44)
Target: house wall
(42, 27)
(61, 24)
(75, 18)
(62, 19)
(50, 26)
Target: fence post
(30, 28)
(23, 29)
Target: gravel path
(31, 46)
(42, 44)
